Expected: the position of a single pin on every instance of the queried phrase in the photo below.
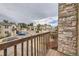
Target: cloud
(27, 12)
(53, 21)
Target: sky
(29, 12)
(53, 21)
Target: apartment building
(7, 29)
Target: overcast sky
(27, 12)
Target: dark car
(21, 33)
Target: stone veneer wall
(67, 29)
(78, 32)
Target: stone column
(67, 28)
(78, 31)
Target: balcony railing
(36, 47)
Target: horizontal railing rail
(38, 45)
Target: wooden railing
(38, 45)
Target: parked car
(21, 33)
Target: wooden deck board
(53, 52)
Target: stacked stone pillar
(67, 28)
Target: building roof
(7, 24)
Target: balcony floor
(53, 52)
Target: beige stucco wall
(9, 29)
(2, 31)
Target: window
(6, 32)
(6, 26)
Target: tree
(5, 21)
(31, 24)
(38, 27)
(45, 26)
(22, 25)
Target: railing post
(39, 45)
(27, 46)
(22, 49)
(31, 47)
(44, 44)
(48, 39)
(42, 50)
(15, 50)
(45, 37)
(35, 46)
(5, 52)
